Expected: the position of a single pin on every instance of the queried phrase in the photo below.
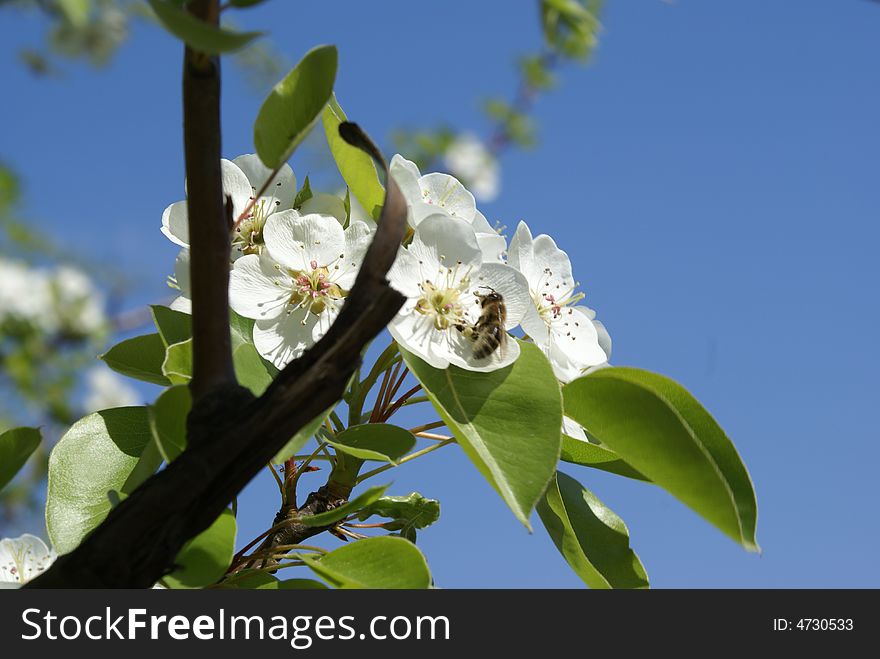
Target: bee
(488, 333)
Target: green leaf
(178, 362)
(374, 441)
(197, 34)
(241, 329)
(139, 358)
(97, 455)
(592, 539)
(660, 429)
(380, 563)
(406, 513)
(346, 509)
(301, 438)
(586, 454)
(356, 167)
(16, 446)
(174, 326)
(256, 580)
(168, 421)
(304, 194)
(294, 105)
(205, 559)
(506, 421)
(251, 369)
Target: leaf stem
(427, 426)
(407, 458)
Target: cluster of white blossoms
(469, 159)
(465, 289)
(59, 301)
(105, 389)
(22, 559)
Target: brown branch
(209, 219)
(137, 543)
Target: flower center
(551, 299)
(443, 303)
(249, 234)
(313, 290)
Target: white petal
(181, 272)
(406, 174)
(574, 334)
(284, 339)
(444, 241)
(536, 327)
(182, 304)
(235, 185)
(175, 224)
(493, 246)
(324, 204)
(519, 254)
(23, 558)
(295, 241)
(257, 288)
(358, 236)
(405, 274)
(416, 333)
(282, 187)
(553, 268)
(481, 224)
(573, 429)
(512, 286)
(448, 194)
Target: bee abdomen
(488, 342)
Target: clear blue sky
(713, 175)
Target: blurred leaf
(356, 167)
(251, 369)
(374, 441)
(294, 105)
(16, 446)
(140, 358)
(168, 421)
(346, 509)
(197, 34)
(205, 559)
(592, 539)
(586, 454)
(75, 11)
(571, 27)
(656, 426)
(506, 421)
(95, 456)
(378, 563)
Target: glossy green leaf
(592, 539)
(205, 559)
(178, 363)
(140, 358)
(406, 513)
(380, 563)
(174, 326)
(241, 329)
(301, 438)
(16, 446)
(506, 421)
(168, 421)
(586, 454)
(374, 441)
(251, 369)
(197, 34)
(97, 455)
(346, 509)
(357, 168)
(662, 431)
(294, 105)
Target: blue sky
(713, 175)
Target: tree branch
(209, 217)
(231, 436)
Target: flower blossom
(443, 274)
(295, 288)
(469, 159)
(567, 333)
(22, 559)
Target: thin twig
(405, 459)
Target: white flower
(182, 302)
(107, 390)
(440, 193)
(441, 273)
(566, 333)
(296, 287)
(469, 159)
(22, 559)
(77, 302)
(26, 295)
(242, 178)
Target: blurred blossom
(107, 390)
(469, 160)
